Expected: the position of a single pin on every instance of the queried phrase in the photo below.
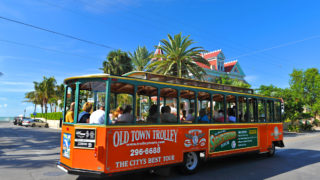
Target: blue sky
(268, 38)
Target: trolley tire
(33, 125)
(272, 151)
(46, 126)
(191, 162)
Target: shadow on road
(22, 147)
(248, 166)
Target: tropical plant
(306, 88)
(118, 63)
(178, 58)
(140, 58)
(233, 82)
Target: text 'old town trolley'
(115, 124)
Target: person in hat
(98, 116)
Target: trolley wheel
(46, 126)
(33, 125)
(272, 151)
(190, 163)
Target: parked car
(20, 120)
(25, 122)
(34, 123)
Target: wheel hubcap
(192, 160)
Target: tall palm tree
(140, 58)
(179, 59)
(46, 90)
(118, 63)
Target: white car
(34, 123)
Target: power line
(46, 49)
(57, 33)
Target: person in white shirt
(98, 116)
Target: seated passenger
(117, 113)
(190, 117)
(203, 118)
(184, 113)
(98, 116)
(231, 116)
(153, 114)
(166, 116)
(84, 116)
(220, 117)
(126, 117)
(70, 113)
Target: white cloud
(251, 78)
(16, 83)
(3, 106)
(3, 99)
(15, 90)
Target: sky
(268, 38)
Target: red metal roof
(203, 65)
(229, 66)
(211, 54)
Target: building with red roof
(218, 67)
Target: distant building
(218, 67)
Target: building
(218, 67)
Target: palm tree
(59, 96)
(32, 97)
(179, 59)
(46, 90)
(118, 63)
(140, 58)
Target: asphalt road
(32, 153)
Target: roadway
(32, 153)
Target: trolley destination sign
(232, 139)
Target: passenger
(190, 117)
(126, 117)
(173, 109)
(220, 116)
(84, 116)
(70, 113)
(117, 113)
(153, 114)
(98, 116)
(231, 116)
(184, 114)
(203, 118)
(166, 116)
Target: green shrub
(293, 128)
(52, 116)
(316, 122)
(306, 125)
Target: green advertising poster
(232, 139)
